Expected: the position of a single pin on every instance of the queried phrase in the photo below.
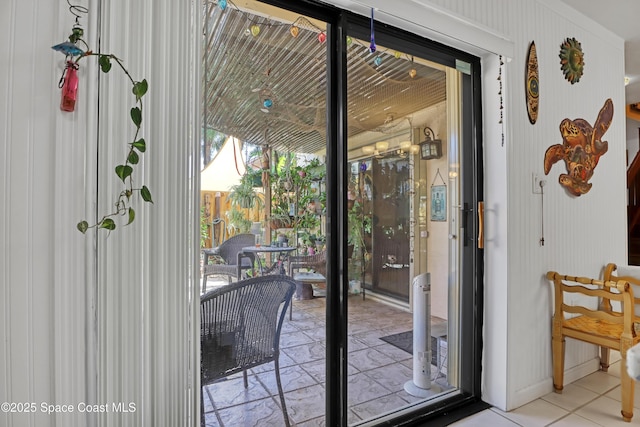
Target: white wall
(84, 319)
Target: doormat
(404, 341)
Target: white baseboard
(531, 393)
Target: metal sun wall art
(571, 60)
(581, 148)
(532, 84)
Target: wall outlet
(537, 182)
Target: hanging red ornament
(69, 87)
(322, 37)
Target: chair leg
(204, 283)
(558, 363)
(628, 388)
(282, 402)
(244, 377)
(290, 309)
(604, 359)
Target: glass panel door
(409, 231)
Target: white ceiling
(621, 18)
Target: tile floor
(377, 373)
(588, 402)
(377, 370)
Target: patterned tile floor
(377, 371)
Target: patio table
(283, 253)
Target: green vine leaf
(123, 171)
(146, 194)
(140, 88)
(133, 158)
(83, 226)
(136, 116)
(132, 216)
(105, 63)
(136, 148)
(140, 145)
(108, 224)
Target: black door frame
(340, 23)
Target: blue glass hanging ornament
(378, 61)
(68, 49)
(372, 46)
(267, 103)
(222, 4)
(363, 167)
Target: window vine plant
(69, 83)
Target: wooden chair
(631, 274)
(592, 322)
(240, 328)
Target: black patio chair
(240, 328)
(233, 261)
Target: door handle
(480, 225)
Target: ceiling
(243, 71)
(268, 87)
(621, 18)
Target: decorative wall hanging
(438, 199)
(571, 60)
(532, 84)
(581, 148)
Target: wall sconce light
(382, 146)
(430, 148)
(368, 149)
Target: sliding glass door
(391, 333)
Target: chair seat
(227, 269)
(597, 328)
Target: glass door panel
(399, 213)
(264, 89)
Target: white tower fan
(421, 385)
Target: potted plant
(279, 219)
(359, 226)
(244, 194)
(237, 221)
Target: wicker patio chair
(230, 252)
(316, 262)
(240, 328)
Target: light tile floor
(588, 402)
(377, 373)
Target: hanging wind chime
(501, 99)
